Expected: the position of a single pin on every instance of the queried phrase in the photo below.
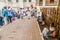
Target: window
(29, 0)
(9, 0)
(24, 0)
(17, 0)
(51, 1)
(40, 2)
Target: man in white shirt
(45, 31)
(52, 27)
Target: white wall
(13, 1)
(28, 4)
(33, 0)
(21, 3)
(2, 4)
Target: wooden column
(37, 2)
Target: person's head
(27, 7)
(5, 7)
(38, 16)
(20, 8)
(52, 24)
(35, 8)
(8, 7)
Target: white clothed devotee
(52, 29)
(45, 31)
(28, 13)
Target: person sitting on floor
(49, 32)
(44, 32)
(43, 22)
(39, 20)
(52, 30)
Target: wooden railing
(55, 18)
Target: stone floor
(21, 29)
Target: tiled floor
(21, 29)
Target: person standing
(21, 13)
(1, 18)
(28, 13)
(34, 12)
(5, 13)
(13, 15)
(10, 15)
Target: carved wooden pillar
(37, 2)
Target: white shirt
(51, 28)
(10, 14)
(40, 13)
(21, 11)
(28, 12)
(45, 31)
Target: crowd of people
(8, 14)
(49, 31)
